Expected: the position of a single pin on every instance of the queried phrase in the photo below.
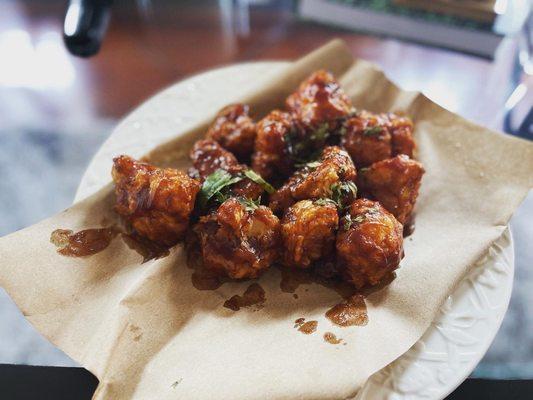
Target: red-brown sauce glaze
(409, 226)
(83, 243)
(253, 296)
(306, 327)
(201, 278)
(292, 278)
(350, 312)
(146, 248)
(332, 338)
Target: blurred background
(473, 57)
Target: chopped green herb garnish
(372, 131)
(309, 165)
(325, 202)
(321, 134)
(249, 204)
(214, 187)
(254, 176)
(302, 149)
(342, 191)
(348, 221)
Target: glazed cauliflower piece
(157, 202)
(234, 130)
(315, 114)
(238, 241)
(316, 180)
(401, 129)
(308, 232)
(271, 158)
(369, 137)
(208, 156)
(394, 183)
(319, 101)
(369, 243)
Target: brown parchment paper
(146, 333)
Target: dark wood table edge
(25, 382)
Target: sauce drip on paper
(146, 248)
(331, 338)
(306, 327)
(292, 278)
(253, 296)
(91, 241)
(350, 312)
(83, 243)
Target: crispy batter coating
(156, 201)
(234, 130)
(394, 183)
(308, 232)
(314, 182)
(367, 138)
(401, 129)
(238, 242)
(270, 158)
(319, 100)
(373, 137)
(207, 156)
(369, 243)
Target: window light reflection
(40, 65)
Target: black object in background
(22, 382)
(85, 26)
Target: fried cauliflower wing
(207, 156)
(319, 100)
(238, 242)
(401, 129)
(157, 202)
(394, 183)
(370, 137)
(308, 232)
(315, 181)
(234, 130)
(367, 138)
(369, 243)
(270, 158)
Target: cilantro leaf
(249, 204)
(347, 221)
(372, 131)
(342, 191)
(324, 202)
(309, 165)
(254, 176)
(214, 185)
(302, 149)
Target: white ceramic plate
(468, 321)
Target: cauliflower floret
(394, 183)
(234, 130)
(238, 241)
(157, 202)
(308, 232)
(317, 180)
(369, 243)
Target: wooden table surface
(143, 53)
